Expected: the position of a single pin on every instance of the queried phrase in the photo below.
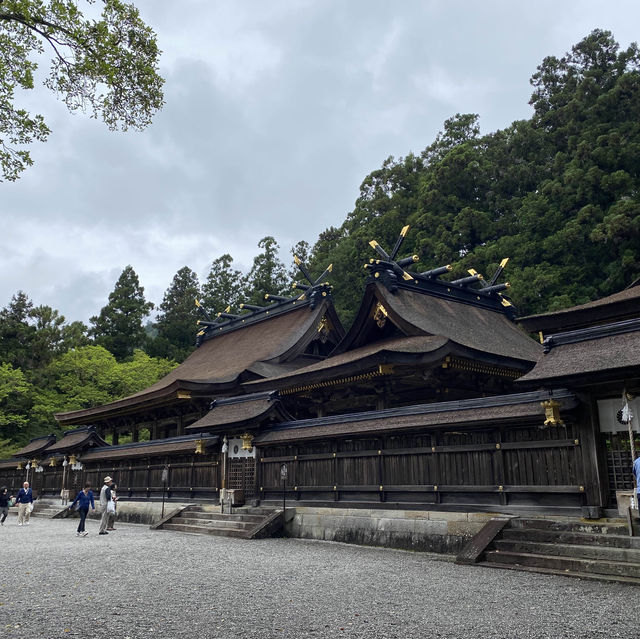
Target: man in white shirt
(105, 498)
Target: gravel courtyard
(139, 583)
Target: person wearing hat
(105, 498)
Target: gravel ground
(140, 583)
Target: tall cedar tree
(119, 326)
(176, 324)
(222, 286)
(559, 194)
(267, 275)
(107, 67)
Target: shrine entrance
(241, 469)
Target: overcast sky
(275, 112)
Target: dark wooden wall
(513, 466)
(189, 477)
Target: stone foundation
(427, 531)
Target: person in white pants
(24, 501)
(105, 498)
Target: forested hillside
(559, 194)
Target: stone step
(608, 553)
(569, 537)
(566, 564)
(220, 523)
(604, 527)
(206, 530)
(563, 573)
(209, 516)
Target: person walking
(84, 499)
(24, 501)
(4, 504)
(112, 507)
(636, 474)
(105, 500)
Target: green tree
(106, 66)
(222, 287)
(15, 401)
(16, 332)
(119, 326)
(559, 194)
(267, 275)
(176, 324)
(90, 376)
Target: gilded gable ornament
(380, 315)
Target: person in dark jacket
(84, 499)
(4, 504)
(24, 500)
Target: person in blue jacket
(84, 499)
(24, 499)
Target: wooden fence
(189, 477)
(521, 466)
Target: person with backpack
(84, 499)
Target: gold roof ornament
(380, 315)
(199, 446)
(552, 413)
(247, 441)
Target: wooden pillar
(180, 428)
(115, 434)
(381, 397)
(154, 429)
(499, 467)
(596, 485)
(135, 433)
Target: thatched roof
(489, 410)
(613, 308)
(241, 412)
(183, 445)
(224, 360)
(35, 446)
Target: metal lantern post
(165, 479)
(283, 475)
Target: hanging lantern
(199, 446)
(552, 413)
(19, 467)
(52, 463)
(247, 441)
(72, 460)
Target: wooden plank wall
(510, 465)
(189, 477)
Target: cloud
(275, 113)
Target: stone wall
(427, 531)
